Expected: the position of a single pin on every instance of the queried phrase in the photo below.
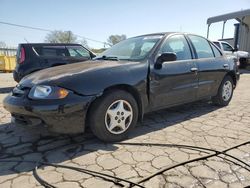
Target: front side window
(136, 48)
(78, 51)
(178, 45)
(202, 47)
(227, 47)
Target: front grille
(20, 91)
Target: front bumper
(61, 115)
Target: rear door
(176, 82)
(211, 66)
(51, 55)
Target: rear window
(18, 54)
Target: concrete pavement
(197, 124)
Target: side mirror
(167, 56)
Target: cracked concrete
(198, 124)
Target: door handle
(194, 69)
(225, 65)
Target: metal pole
(241, 42)
(223, 29)
(69, 36)
(240, 35)
(208, 26)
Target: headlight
(47, 92)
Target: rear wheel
(113, 115)
(225, 92)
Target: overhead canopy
(234, 15)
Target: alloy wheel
(118, 117)
(227, 90)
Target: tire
(113, 116)
(225, 92)
(243, 63)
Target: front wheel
(225, 92)
(113, 115)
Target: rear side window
(177, 44)
(202, 47)
(217, 53)
(78, 51)
(52, 51)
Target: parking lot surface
(197, 124)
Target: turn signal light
(62, 93)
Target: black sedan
(111, 92)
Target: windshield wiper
(104, 57)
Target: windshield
(132, 49)
(227, 47)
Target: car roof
(159, 33)
(168, 33)
(221, 41)
(51, 44)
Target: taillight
(22, 56)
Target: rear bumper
(24, 69)
(16, 76)
(237, 76)
(61, 116)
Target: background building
(241, 38)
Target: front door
(175, 82)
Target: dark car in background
(32, 57)
(110, 93)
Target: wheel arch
(233, 76)
(128, 88)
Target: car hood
(88, 73)
(242, 54)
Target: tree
(84, 43)
(60, 37)
(98, 51)
(113, 39)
